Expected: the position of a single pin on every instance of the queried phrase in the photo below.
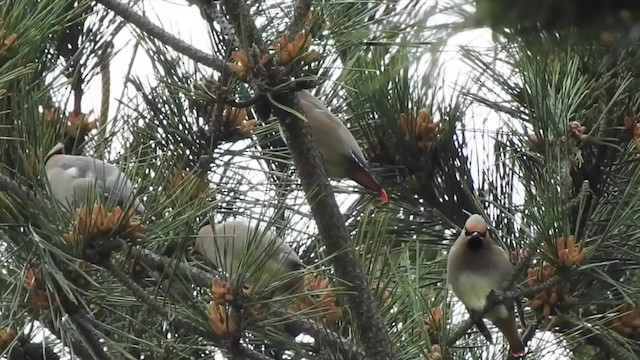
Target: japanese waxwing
(235, 241)
(341, 154)
(475, 266)
(72, 178)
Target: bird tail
(262, 107)
(363, 177)
(484, 330)
(510, 332)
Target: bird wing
(327, 127)
(109, 180)
(289, 256)
(61, 184)
(503, 262)
(227, 246)
(282, 257)
(121, 189)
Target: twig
(30, 350)
(78, 349)
(212, 14)
(240, 18)
(204, 279)
(611, 349)
(141, 295)
(76, 87)
(239, 103)
(291, 87)
(105, 99)
(11, 187)
(144, 24)
(86, 334)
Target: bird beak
(475, 236)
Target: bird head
(475, 230)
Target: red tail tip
(384, 198)
(519, 354)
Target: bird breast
(473, 290)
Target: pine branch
(240, 18)
(79, 351)
(31, 350)
(8, 185)
(140, 294)
(333, 230)
(149, 28)
(299, 324)
(86, 334)
(597, 339)
(212, 14)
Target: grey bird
(476, 267)
(76, 179)
(341, 155)
(268, 255)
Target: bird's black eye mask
(469, 233)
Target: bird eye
(469, 233)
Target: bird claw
(494, 298)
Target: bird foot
(494, 298)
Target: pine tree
(201, 142)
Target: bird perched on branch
(76, 179)
(341, 154)
(477, 267)
(266, 257)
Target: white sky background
(186, 23)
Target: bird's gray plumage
(337, 145)
(236, 240)
(74, 179)
(472, 274)
(341, 155)
(475, 267)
